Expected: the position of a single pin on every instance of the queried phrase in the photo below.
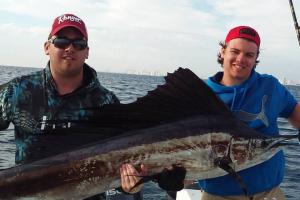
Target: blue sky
(142, 36)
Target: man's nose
(70, 48)
(241, 57)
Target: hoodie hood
(229, 94)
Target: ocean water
(128, 87)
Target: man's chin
(71, 71)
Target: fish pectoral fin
(224, 163)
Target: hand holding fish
(171, 179)
(130, 177)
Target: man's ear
(46, 48)
(222, 52)
(87, 53)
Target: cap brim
(53, 32)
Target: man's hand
(129, 178)
(172, 179)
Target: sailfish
(180, 123)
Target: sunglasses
(63, 43)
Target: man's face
(67, 61)
(239, 60)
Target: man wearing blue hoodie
(258, 100)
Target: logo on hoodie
(246, 116)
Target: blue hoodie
(258, 101)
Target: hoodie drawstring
(233, 100)
(240, 100)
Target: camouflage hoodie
(30, 101)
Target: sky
(154, 36)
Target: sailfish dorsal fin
(183, 95)
(186, 89)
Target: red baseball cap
(67, 20)
(243, 32)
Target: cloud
(156, 35)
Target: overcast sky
(153, 36)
